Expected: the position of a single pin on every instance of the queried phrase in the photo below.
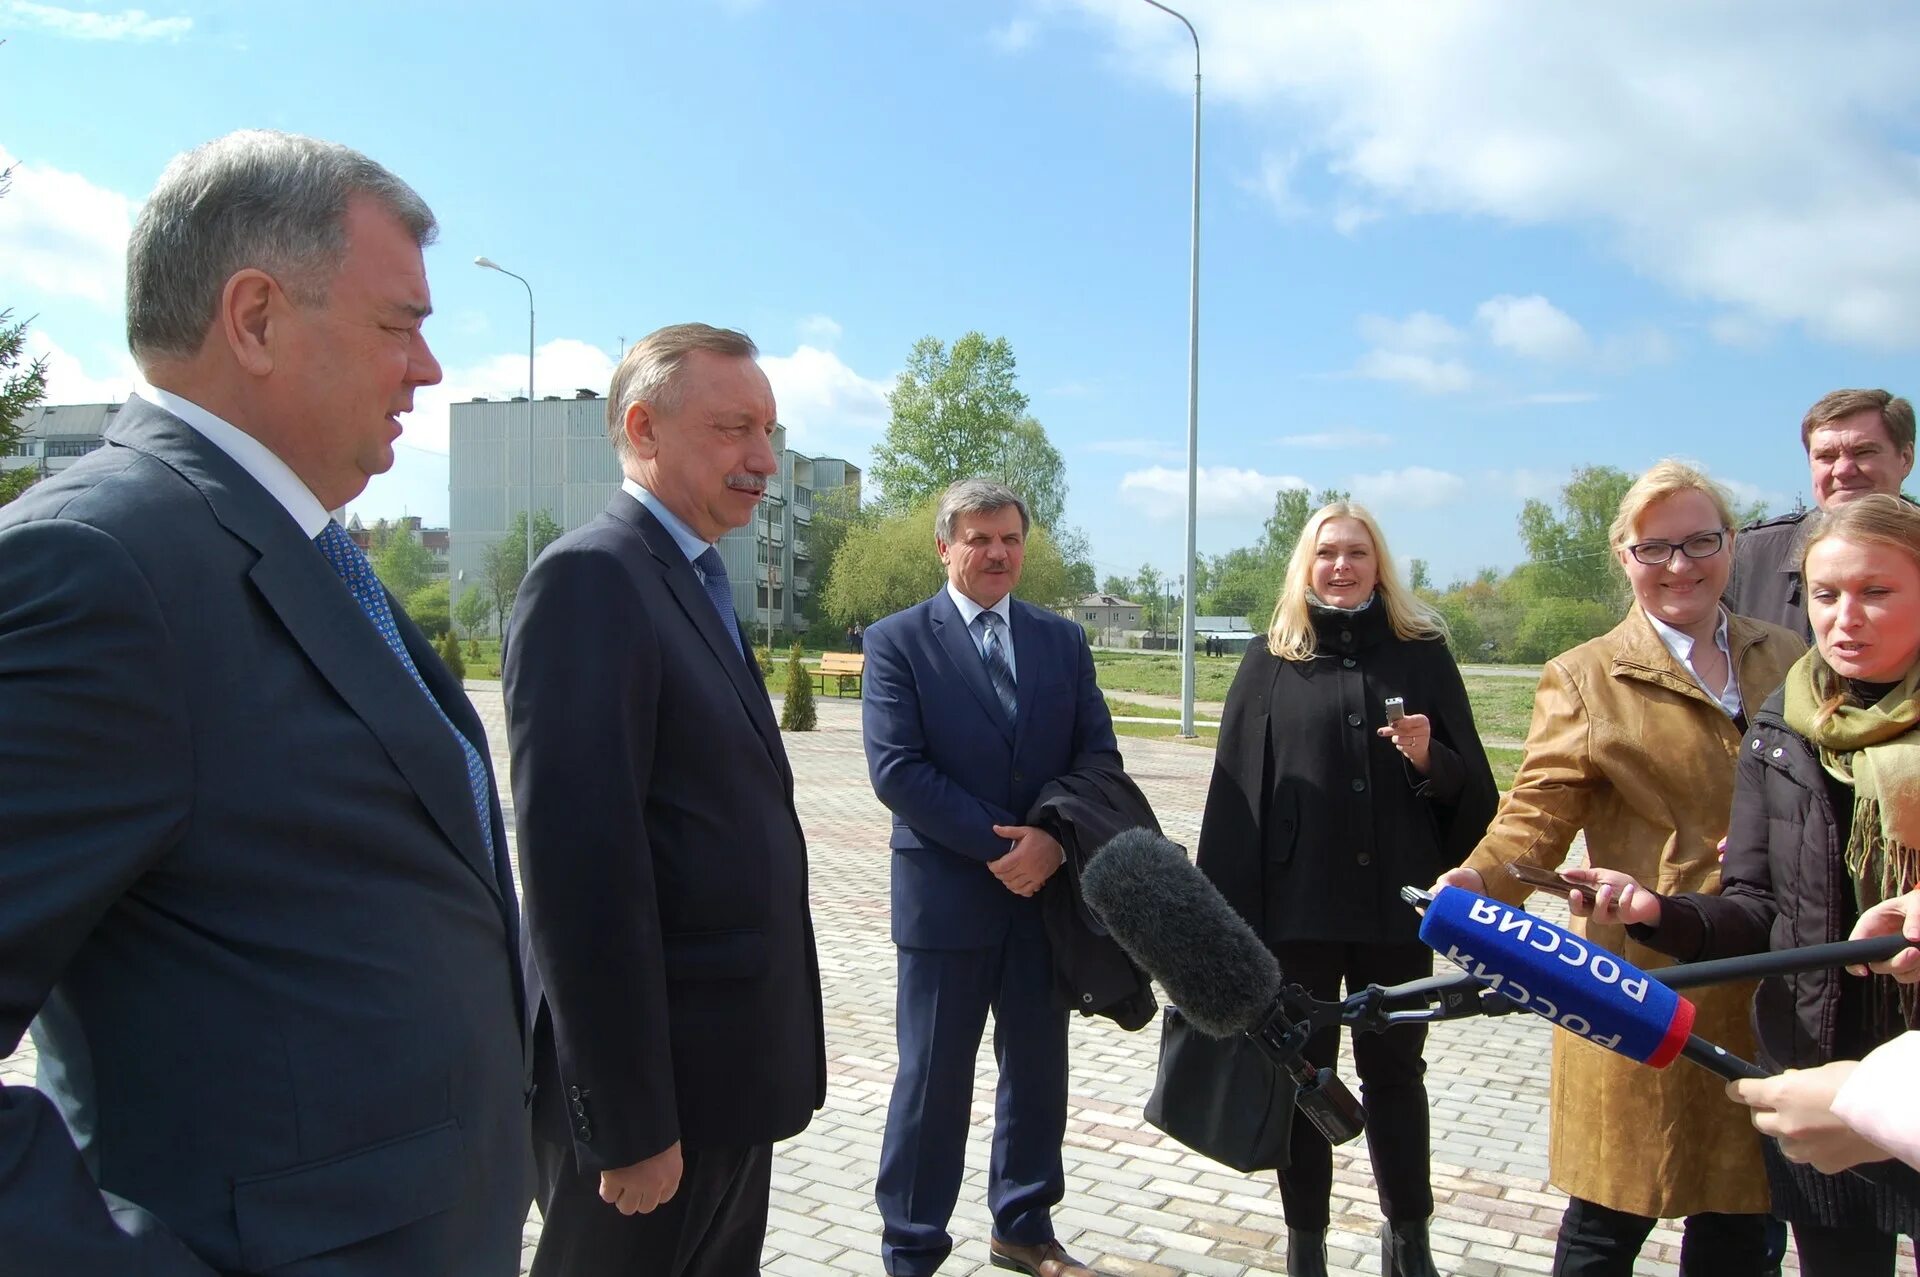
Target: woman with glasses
(1826, 825)
(1348, 767)
(1633, 742)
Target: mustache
(746, 483)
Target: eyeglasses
(1657, 554)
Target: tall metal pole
(1193, 396)
(489, 264)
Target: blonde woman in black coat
(1320, 810)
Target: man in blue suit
(973, 702)
(253, 882)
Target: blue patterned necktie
(993, 651)
(713, 579)
(352, 565)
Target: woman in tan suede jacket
(1634, 740)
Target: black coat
(1092, 974)
(1785, 885)
(1314, 823)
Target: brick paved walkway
(1137, 1204)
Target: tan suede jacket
(1626, 746)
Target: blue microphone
(1581, 987)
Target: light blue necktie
(352, 565)
(713, 579)
(993, 651)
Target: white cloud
(1745, 493)
(1329, 440)
(69, 381)
(1274, 184)
(1691, 137)
(85, 24)
(1423, 372)
(1015, 36)
(820, 330)
(825, 405)
(560, 367)
(62, 236)
(1422, 331)
(1532, 327)
(1161, 492)
(1413, 488)
(1742, 332)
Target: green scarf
(1874, 749)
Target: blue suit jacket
(948, 764)
(245, 890)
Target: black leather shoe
(1404, 1251)
(1306, 1253)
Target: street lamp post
(489, 264)
(1193, 393)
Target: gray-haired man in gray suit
(253, 880)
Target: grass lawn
(1502, 707)
(1158, 673)
(1505, 763)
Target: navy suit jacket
(672, 962)
(948, 764)
(243, 887)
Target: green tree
(1119, 587)
(1243, 582)
(797, 712)
(890, 563)
(958, 413)
(1568, 552)
(1291, 509)
(1077, 552)
(1554, 625)
(431, 607)
(471, 612)
(21, 387)
(836, 512)
(403, 564)
(503, 565)
(1418, 577)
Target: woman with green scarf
(1826, 824)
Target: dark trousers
(1843, 1252)
(943, 1000)
(1392, 1085)
(714, 1226)
(1598, 1241)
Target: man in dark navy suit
(973, 702)
(254, 889)
(673, 977)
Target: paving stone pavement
(1138, 1205)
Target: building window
(72, 447)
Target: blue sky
(1449, 251)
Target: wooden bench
(843, 667)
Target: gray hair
(976, 496)
(276, 202)
(649, 373)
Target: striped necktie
(347, 560)
(994, 652)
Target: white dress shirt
(258, 460)
(1728, 697)
(683, 536)
(970, 612)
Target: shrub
(449, 650)
(797, 715)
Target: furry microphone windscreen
(1178, 926)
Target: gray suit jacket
(245, 892)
